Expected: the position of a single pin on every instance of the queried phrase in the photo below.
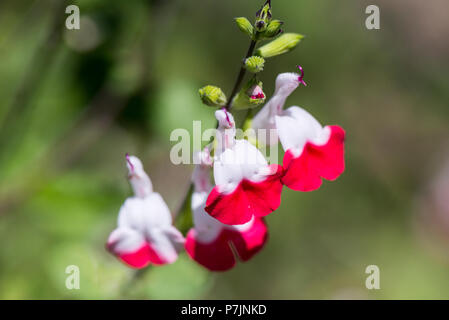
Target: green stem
(241, 75)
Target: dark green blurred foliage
(72, 103)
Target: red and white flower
(211, 243)
(312, 152)
(245, 185)
(265, 119)
(145, 233)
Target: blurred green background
(72, 103)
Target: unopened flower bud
(263, 17)
(212, 96)
(250, 96)
(245, 26)
(254, 64)
(273, 29)
(256, 92)
(283, 44)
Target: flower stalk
(241, 75)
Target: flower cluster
(228, 214)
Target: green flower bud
(250, 96)
(212, 96)
(254, 64)
(283, 44)
(244, 25)
(273, 29)
(263, 17)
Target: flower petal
(247, 200)
(205, 243)
(138, 259)
(138, 178)
(209, 242)
(215, 256)
(225, 133)
(143, 213)
(207, 227)
(166, 243)
(264, 121)
(248, 242)
(296, 127)
(242, 161)
(304, 172)
(130, 247)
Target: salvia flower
(245, 185)
(312, 151)
(145, 233)
(211, 242)
(286, 83)
(228, 214)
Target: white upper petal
(243, 161)
(201, 178)
(225, 119)
(143, 213)
(296, 127)
(132, 214)
(264, 119)
(225, 133)
(201, 173)
(138, 178)
(286, 83)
